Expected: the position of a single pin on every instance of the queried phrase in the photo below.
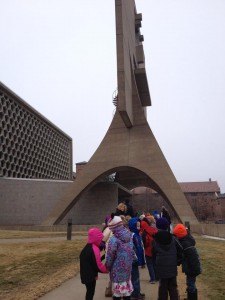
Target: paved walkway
(74, 290)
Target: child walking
(119, 259)
(191, 263)
(90, 262)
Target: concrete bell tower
(129, 145)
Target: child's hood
(164, 238)
(133, 225)
(123, 234)
(95, 236)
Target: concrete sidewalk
(74, 290)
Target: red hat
(180, 231)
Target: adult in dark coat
(130, 210)
(167, 252)
(191, 263)
(121, 210)
(165, 214)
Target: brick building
(204, 197)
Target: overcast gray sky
(60, 57)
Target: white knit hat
(116, 221)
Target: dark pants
(90, 286)
(168, 285)
(150, 266)
(135, 280)
(191, 286)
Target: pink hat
(95, 236)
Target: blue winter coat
(137, 240)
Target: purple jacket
(120, 255)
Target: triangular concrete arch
(122, 147)
(129, 140)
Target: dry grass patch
(16, 234)
(213, 262)
(29, 270)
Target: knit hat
(162, 224)
(180, 231)
(95, 236)
(115, 222)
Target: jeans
(150, 266)
(190, 281)
(135, 280)
(168, 285)
(90, 286)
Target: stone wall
(216, 230)
(28, 202)
(95, 204)
(24, 201)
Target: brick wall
(206, 206)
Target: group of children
(133, 242)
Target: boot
(193, 296)
(108, 292)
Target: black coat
(165, 252)
(191, 263)
(120, 212)
(88, 266)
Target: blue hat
(162, 224)
(133, 225)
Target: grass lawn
(29, 270)
(16, 234)
(212, 253)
